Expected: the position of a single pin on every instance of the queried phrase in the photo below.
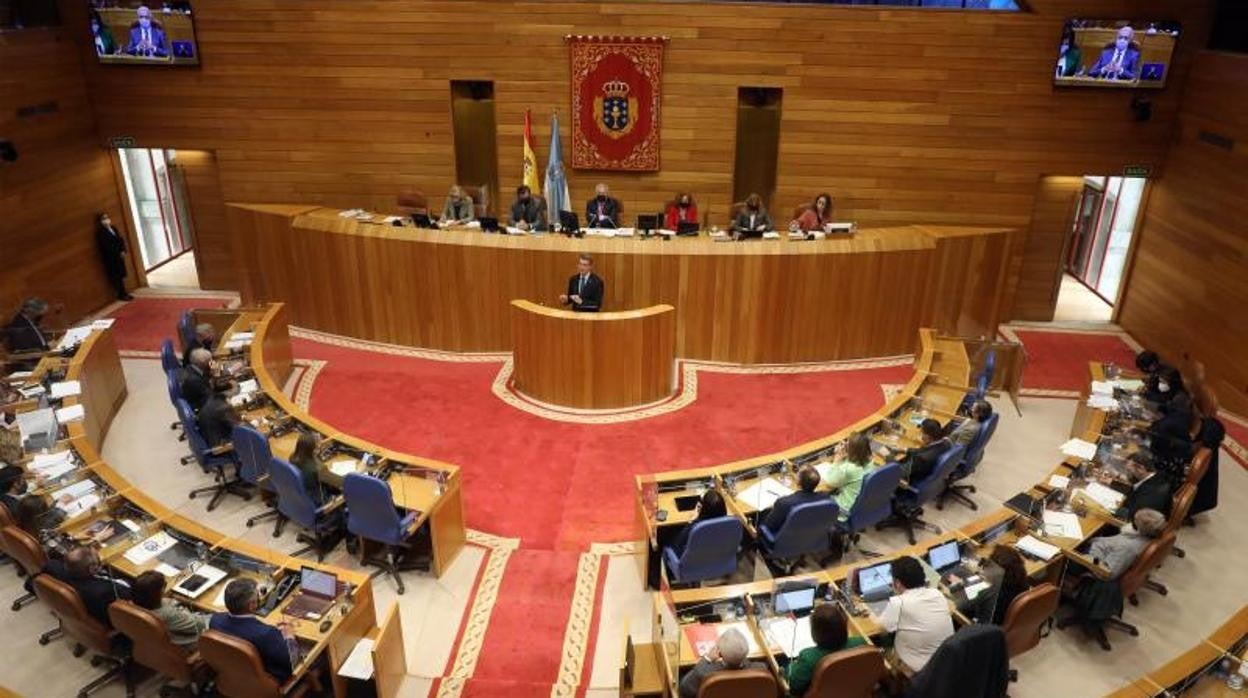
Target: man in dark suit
(12, 487)
(528, 212)
(1121, 61)
(205, 338)
(585, 288)
(807, 481)
(23, 332)
(216, 420)
(196, 383)
(602, 211)
(147, 38)
(1150, 491)
(920, 462)
(241, 602)
(83, 573)
(112, 249)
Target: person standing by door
(112, 253)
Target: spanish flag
(530, 159)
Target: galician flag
(557, 198)
(530, 159)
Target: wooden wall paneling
(1187, 290)
(60, 180)
(213, 259)
(1043, 249)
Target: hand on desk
(563, 298)
(576, 299)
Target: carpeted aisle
(144, 322)
(1058, 360)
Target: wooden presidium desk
(593, 360)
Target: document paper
(789, 634)
(359, 664)
(1079, 448)
(763, 494)
(66, 389)
(1062, 524)
(1037, 548)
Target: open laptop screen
(318, 583)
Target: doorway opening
(160, 213)
(1096, 258)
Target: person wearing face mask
(102, 36)
(682, 209)
(1120, 60)
(1163, 385)
(528, 212)
(112, 247)
(12, 488)
(753, 220)
(146, 37)
(1069, 57)
(458, 207)
(602, 211)
(816, 216)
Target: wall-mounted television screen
(1115, 53)
(142, 33)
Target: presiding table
(593, 360)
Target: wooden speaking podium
(593, 360)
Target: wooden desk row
(756, 301)
(1195, 673)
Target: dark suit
(216, 421)
(156, 37)
(196, 387)
(112, 248)
(922, 461)
(742, 224)
(590, 293)
(780, 510)
(196, 344)
(98, 593)
(532, 211)
(310, 471)
(1129, 63)
(22, 334)
(267, 639)
(10, 502)
(602, 214)
(1151, 493)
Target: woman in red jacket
(816, 216)
(680, 210)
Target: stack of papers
(1102, 388)
(359, 664)
(974, 590)
(1037, 548)
(1129, 384)
(73, 337)
(1060, 482)
(789, 634)
(32, 391)
(73, 413)
(763, 494)
(150, 548)
(76, 498)
(1084, 450)
(771, 235)
(1102, 402)
(1062, 524)
(350, 213)
(66, 389)
(342, 467)
(53, 465)
(248, 387)
(1106, 497)
(102, 324)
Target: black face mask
(602, 197)
(684, 204)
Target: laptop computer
(995, 532)
(875, 586)
(422, 220)
(489, 225)
(946, 559)
(688, 502)
(317, 592)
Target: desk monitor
(687, 228)
(944, 556)
(422, 220)
(1122, 53)
(876, 583)
(647, 222)
(795, 600)
(140, 32)
(489, 225)
(569, 221)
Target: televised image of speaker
(8, 151)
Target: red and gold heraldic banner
(616, 92)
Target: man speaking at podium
(584, 288)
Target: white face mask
(1163, 387)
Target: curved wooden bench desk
(593, 360)
(751, 302)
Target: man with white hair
(1120, 60)
(147, 38)
(196, 384)
(1118, 553)
(458, 208)
(23, 332)
(730, 652)
(205, 338)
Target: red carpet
(562, 486)
(145, 321)
(1059, 360)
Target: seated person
(98, 591)
(730, 652)
(216, 421)
(845, 475)
(919, 462)
(309, 466)
(1148, 362)
(23, 332)
(680, 210)
(711, 506)
(917, 615)
(197, 382)
(36, 517)
(1118, 552)
(1119, 60)
(753, 220)
(1170, 436)
(965, 432)
(1007, 576)
(602, 211)
(458, 208)
(205, 338)
(1150, 490)
(146, 36)
(241, 602)
(528, 212)
(12, 488)
(829, 631)
(184, 626)
(814, 218)
(1162, 385)
(807, 481)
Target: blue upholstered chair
(215, 462)
(254, 456)
(186, 329)
(372, 517)
(168, 357)
(908, 504)
(982, 383)
(807, 530)
(970, 462)
(172, 378)
(873, 505)
(711, 551)
(321, 525)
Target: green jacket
(802, 669)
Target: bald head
(205, 330)
(733, 648)
(81, 562)
(201, 357)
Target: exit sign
(1137, 171)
